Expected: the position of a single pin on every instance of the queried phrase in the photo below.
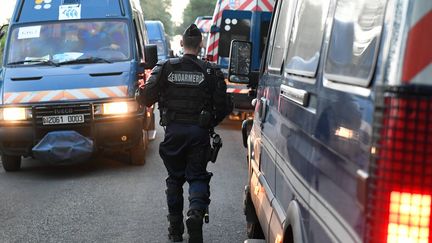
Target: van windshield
(160, 46)
(66, 42)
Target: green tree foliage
(194, 9)
(158, 10)
(2, 45)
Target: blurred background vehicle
(157, 36)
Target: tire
(152, 124)
(253, 227)
(149, 122)
(137, 153)
(254, 231)
(146, 140)
(11, 163)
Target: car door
(267, 119)
(298, 104)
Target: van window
(235, 26)
(306, 37)
(354, 41)
(265, 25)
(139, 38)
(68, 41)
(280, 37)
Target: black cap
(192, 31)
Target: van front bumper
(18, 139)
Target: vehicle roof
(204, 23)
(48, 10)
(203, 18)
(245, 5)
(155, 29)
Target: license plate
(65, 119)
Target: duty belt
(167, 117)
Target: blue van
(68, 80)
(340, 148)
(158, 37)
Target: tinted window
(306, 37)
(263, 34)
(354, 41)
(233, 29)
(280, 36)
(140, 35)
(160, 47)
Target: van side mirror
(214, 29)
(151, 56)
(239, 69)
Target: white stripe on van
(99, 93)
(420, 9)
(424, 77)
(336, 227)
(29, 97)
(117, 91)
(11, 98)
(51, 95)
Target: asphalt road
(106, 200)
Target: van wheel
(152, 122)
(253, 227)
(254, 231)
(137, 153)
(146, 140)
(11, 163)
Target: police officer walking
(192, 100)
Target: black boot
(175, 228)
(194, 224)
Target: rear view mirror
(239, 69)
(151, 56)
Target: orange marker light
(409, 218)
(278, 239)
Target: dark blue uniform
(192, 100)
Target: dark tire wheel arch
(11, 163)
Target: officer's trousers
(185, 154)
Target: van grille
(40, 111)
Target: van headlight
(117, 108)
(14, 114)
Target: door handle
(298, 96)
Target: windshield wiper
(86, 60)
(36, 61)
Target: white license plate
(65, 119)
